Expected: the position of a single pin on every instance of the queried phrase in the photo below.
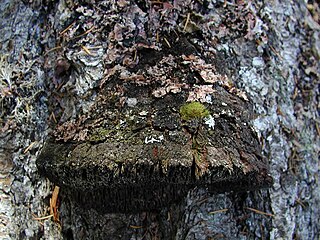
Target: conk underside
(136, 152)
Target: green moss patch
(100, 134)
(193, 110)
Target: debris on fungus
(193, 110)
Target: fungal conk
(116, 159)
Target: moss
(193, 110)
(99, 134)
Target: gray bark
(269, 50)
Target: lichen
(99, 135)
(193, 110)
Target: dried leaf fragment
(200, 93)
(53, 204)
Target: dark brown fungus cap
(143, 154)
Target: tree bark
(59, 56)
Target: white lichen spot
(132, 102)
(153, 139)
(258, 62)
(143, 113)
(208, 99)
(224, 104)
(210, 121)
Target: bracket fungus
(146, 156)
(155, 132)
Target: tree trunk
(71, 68)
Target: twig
(53, 117)
(219, 211)
(301, 203)
(94, 47)
(135, 227)
(53, 204)
(52, 49)
(167, 42)
(43, 218)
(318, 128)
(275, 52)
(29, 147)
(66, 29)
(187, 22)
(85, 33)
(260, 212)
(86, 50)
(135, 55)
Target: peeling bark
(265, 51)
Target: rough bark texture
(269, 50)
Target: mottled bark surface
(51, 75)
